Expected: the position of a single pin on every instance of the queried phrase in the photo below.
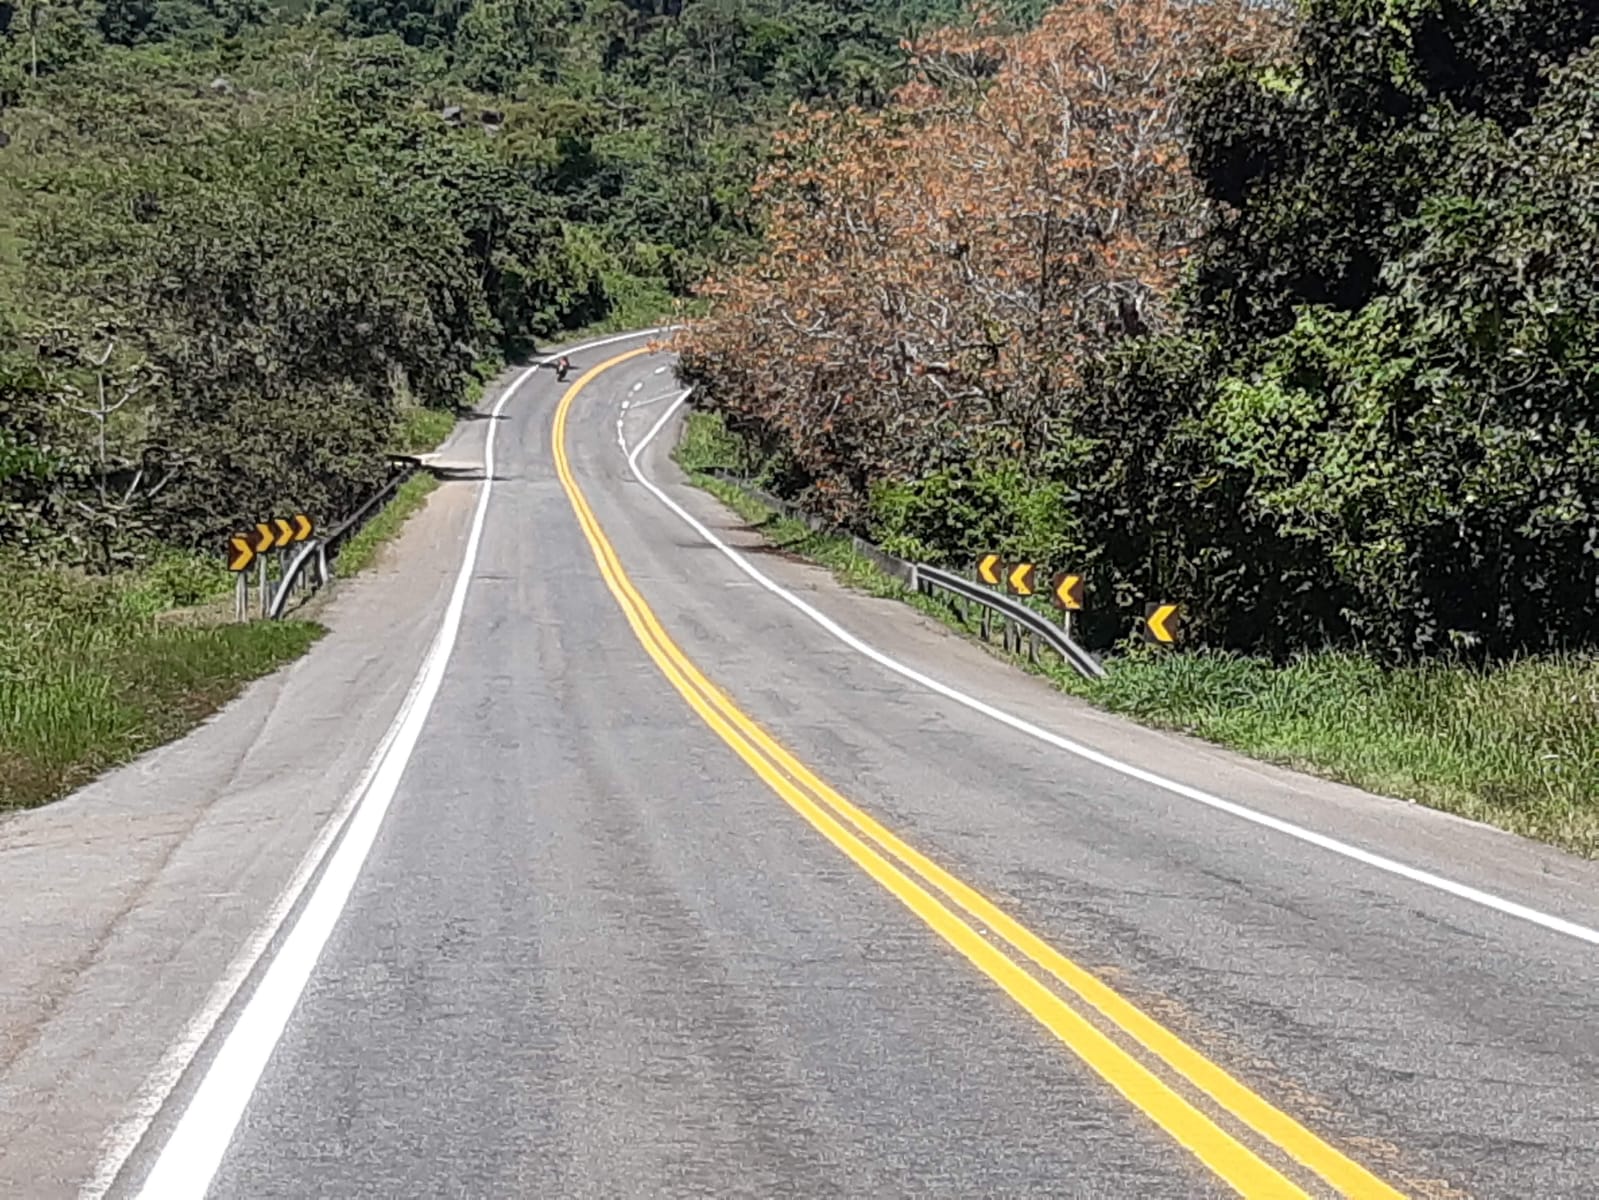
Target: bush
(1374, 420)
(955, 516)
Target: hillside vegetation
(1285, 313)
(247, 250)
(1289, 316)
(243, 242)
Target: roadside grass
(640, 309)
(422, 429)
(643, 309)
(90, 678)
(94, 671)
(794, 537)
(362, 548)
(1515, 745)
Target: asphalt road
(607, 941)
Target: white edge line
(1414, 874)
(187, 1172)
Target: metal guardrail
(311, 569)
(920, 577)
(1035, 624)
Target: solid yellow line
(1218, 1150)
(1271, 1123)
(1230, 1159)
(1258, 1114)
(1342, 1172)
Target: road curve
(677, 894)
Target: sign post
(1066, 594)
(241, 553)
(264, 538)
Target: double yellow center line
(913, 879)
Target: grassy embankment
(1516, 746)
(95, 671)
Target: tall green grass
(705, 444)
(422, 429)
(90, 677)
(1515, 745)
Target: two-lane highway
(670, 890)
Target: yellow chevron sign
(240, 552)
(1161, 623)
(1066, 591)
(1020, 579)
(244, 548)
(991, 570)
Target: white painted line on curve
(1414, 874)
(638, 404)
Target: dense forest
(1285, 312)
(238, 243)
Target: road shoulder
(122, 905)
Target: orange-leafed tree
(935, 275)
